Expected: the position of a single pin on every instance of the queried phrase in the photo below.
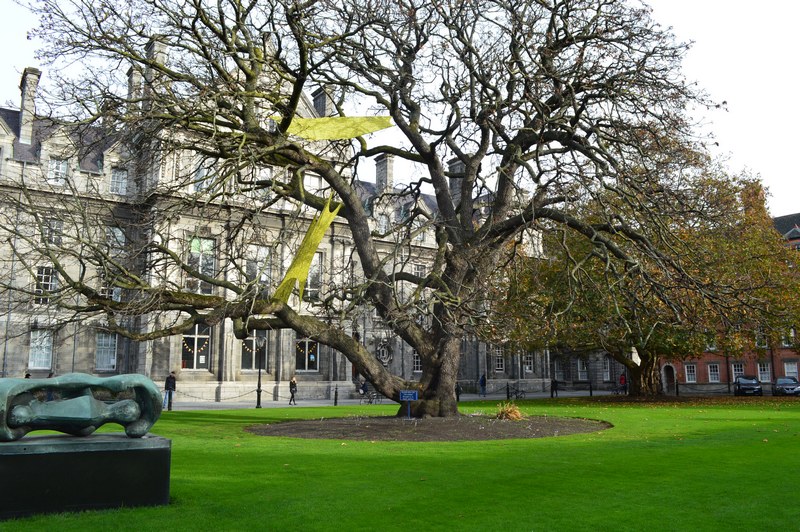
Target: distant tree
(566, 118)
(573, 299)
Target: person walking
(623, 383)
(169, 390)
(482, 383)
(292, 391)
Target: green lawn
(705, 465)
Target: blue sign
(408, 395)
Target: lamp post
(259, 343)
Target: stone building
(82, 203)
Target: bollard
(336, 396)
(590, 388)
(508, 392)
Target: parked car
(746, 385)
(786, 386)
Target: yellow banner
(337, 127)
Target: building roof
(785, 224)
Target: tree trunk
(645, 378)
(437, 387)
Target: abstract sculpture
(78, 404)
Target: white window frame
(202, 257)
(737, 369)
(583, 370)
(527, 362)
(416, 362)
(788, 339)
(40, 355)
(314, 280)
(790, 369)
(52, 231)
(45, 282)
(558, 369)
(57, 171)
(691, 373)
(764, 373)
(258, 265)
(106, 351)
(118, 181)
(713, 372)
(107, 289)
(606, 369)
(115, 239)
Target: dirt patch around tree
(458, 428)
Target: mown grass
(701, 465)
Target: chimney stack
(28, 85)
(384, 173)
(457, 170)
(156, 52)
(134, 89)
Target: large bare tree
(518, 115)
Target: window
(420, 270)
(115, 239)
(606, 369)
(713, 373)
(419, 231)
(106, 351)
(254, 350)
(788, 339)
(57, 172)
(202, 260)
(52, 231)
(738, 369)
(41, 351)
(711, 342)
(416, 362)
(383, 223)
(203, 176)
(691, 373)
(558, 370)
(108, 290)
(258, 266)
(764, 374)
(527, 362)
(306, 355)
(196, 350)
(320, 98)
(583, 370)
(790, 369)
(499, 359)
(761, 339)
(312, 182)
(314, 281)
(119, 181)
(499, 364)
(46, 284)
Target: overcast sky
(745, 53)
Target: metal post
(336, 396)
(258, 343)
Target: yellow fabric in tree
(337, 127)
(298, 271)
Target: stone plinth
(46, 474)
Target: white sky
(745, 53)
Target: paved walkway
(180, 404)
